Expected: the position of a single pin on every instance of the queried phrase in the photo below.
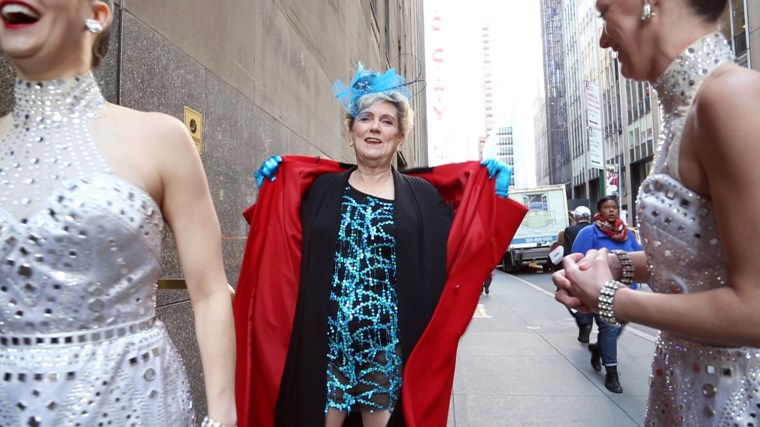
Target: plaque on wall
(194, 124)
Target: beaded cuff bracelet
(208, 422)
(625, 261)
(607, 301)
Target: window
(733, 24)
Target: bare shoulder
(729, 95)
(155, 130)
(726, 125)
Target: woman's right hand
(563, 294)
(268, 170)
(503, 174)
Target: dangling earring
(646, 11)
(93, 26)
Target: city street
(520, 364)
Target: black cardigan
(422, 221)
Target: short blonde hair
(403, 108)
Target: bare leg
(376, 419)
(335, 418)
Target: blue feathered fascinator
(367, 81)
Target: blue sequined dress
(79, 260)
(364, 360)
(692, 383)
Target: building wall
(631, 117)
(753, 29)
(555, 144)
(542, 140)
(260, 72)
(501, 145)
(581, 27)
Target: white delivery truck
(547, 216)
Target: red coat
(267, 289)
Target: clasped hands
(581, 280)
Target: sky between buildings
(454, 72)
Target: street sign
(594, 121)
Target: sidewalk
(520, 364)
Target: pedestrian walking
(487, 283)
(609, 232)
(582, 218)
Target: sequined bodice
(691, 383)
(678, 226)
(79, 246)
(79, 259)
(88, 259)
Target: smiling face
(625, 33)
(375, 134)
(47, 38)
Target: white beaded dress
(79, 260)
(692, 384)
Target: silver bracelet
(625, 261)
(606, 302)
(209, 422)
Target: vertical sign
(437, 57)
(194, 125)
(613, 179)
(594, 121)
(436, 30)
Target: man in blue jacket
(582, 216)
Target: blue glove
(503, 174)
(268, 170)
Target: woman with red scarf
(610, 232)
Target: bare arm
(189, 211)
(726, 125)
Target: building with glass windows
(553, 165)
(736, 28)
(500, 145)
(630, 113)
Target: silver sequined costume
(79, 260)
(692, 384)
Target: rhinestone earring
(646, 11)
(93, 26)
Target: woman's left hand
(583, 279)
(562, 295)
(502, 172)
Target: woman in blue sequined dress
(85, 188)
(374, 266)
(700, 246)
